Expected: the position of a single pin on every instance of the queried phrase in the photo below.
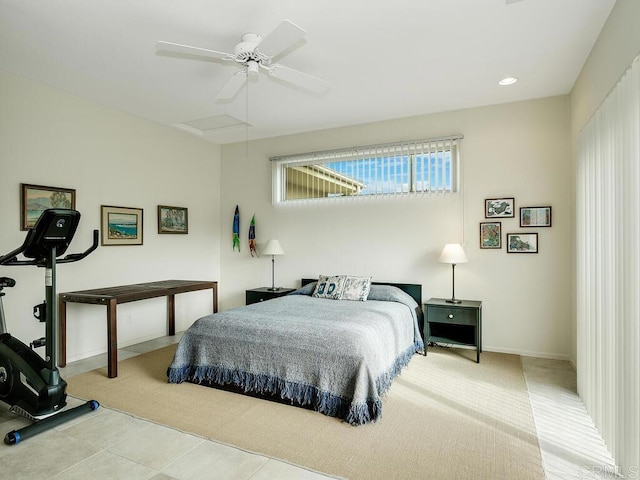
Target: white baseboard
(103, 350)
(524, 353)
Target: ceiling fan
(254, 53)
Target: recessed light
(508, 81)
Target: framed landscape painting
(35, 199)
(173, 219)
(121, 225)
(499, 207)
(522, 243)
(490, 235)
(535, 216)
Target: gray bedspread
(336, 356)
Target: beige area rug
(445, 417)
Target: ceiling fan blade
(201, 52)
(282, 37)
(302, 80)
(233, 86)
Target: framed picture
(173, 219)
(535, 216)
(490, 235)
(522, 243)
(121, 225)
(35, 199)
(499, 207)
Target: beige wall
(523, 150)
(613, 52)
(519, 150)
(110, 158)
(615, 49)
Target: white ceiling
(383, 59)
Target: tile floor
(107, 444)
(112, 445)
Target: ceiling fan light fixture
(507, 81)
(255, 52)
(253, 68)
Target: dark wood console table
(112, 296)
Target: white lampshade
(273, 247)
(453, 253)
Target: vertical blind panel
(608, 269)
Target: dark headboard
(413, 289)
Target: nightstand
(261, 294)
(455, 323)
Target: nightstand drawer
(457, 315)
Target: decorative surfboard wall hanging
(236, 229)
(252, 236)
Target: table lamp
(453, 253)
(273, 248)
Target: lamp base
(453, 300)
(274, 289)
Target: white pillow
(330, 287)
(356, 288)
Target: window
(407, 168)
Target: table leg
(215, 298)
(62, 318)
(479, 334)
(427, 335)
(171, 314)
(112, 339)
(480, 330)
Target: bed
(336, 356)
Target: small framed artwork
(535, 216)
(35, 199)
(499, 207)
(121, 225)
(522, 243)
(173, 219)
(490, 235)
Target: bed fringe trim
(301, 393)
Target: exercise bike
(29, 384)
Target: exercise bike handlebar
(11, 258)
(74, 257)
